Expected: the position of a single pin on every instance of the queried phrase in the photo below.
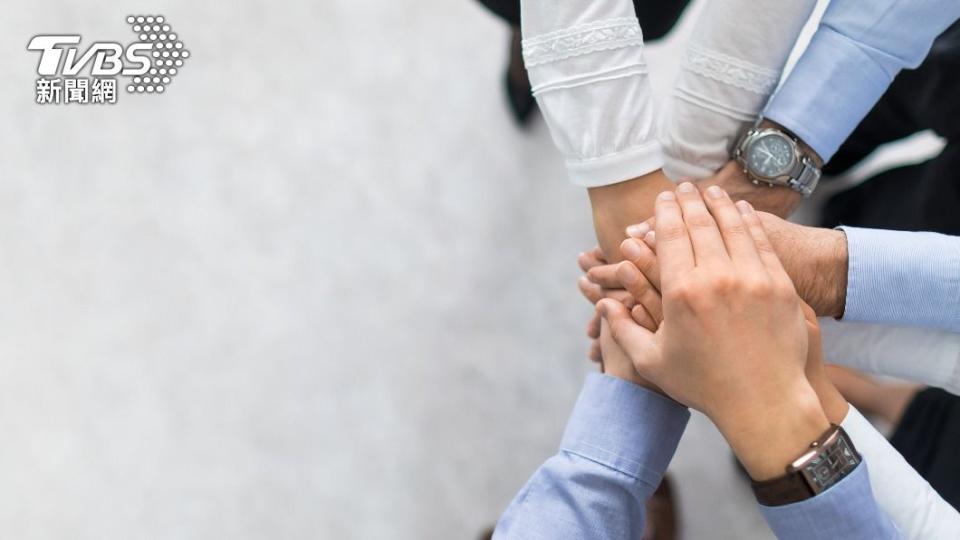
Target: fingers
(763, 246)
(590, 259)
(593, 292)
(605, 276)
(704, 235)
(635, 340)
(650, 239)
(593, 327)
(644, 232)
(643, 318)
(640, 229)
(674, 252)
(641, 290)
(643, 257)
(736, 236)
(594, 354)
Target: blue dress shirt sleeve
(617, 445)
(852, 58)
(903, 278)
(847, 510)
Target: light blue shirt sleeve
(847, 510)
(850, 62)
(617, 445)
(903, 278)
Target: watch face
(771, 155)
(831, 466)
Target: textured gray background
(321, 288)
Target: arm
(730, 68)
(852, 58)
(905, 278)
(871, 275)
(931, 357)
(586, 67)
(720, 281)
(614, 452)
(911, 503)
(916, 508)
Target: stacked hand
(729, 336)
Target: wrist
(831, 266)
(768, 436)
(834, 405)
(618, 205)
(807, 149)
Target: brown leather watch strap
(827, 461)
(782, 490)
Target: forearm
(922, 355)
(904, 278)
(769, 434)
(588, 74)
(728, 71)
(846, 510)
(912, 504)
(852, 58)
(618, 205)
(617, 445)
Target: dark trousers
(921, 197)
(656, 17)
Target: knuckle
(699, 220)
(759, 288)
(724, 283)
(736, 229)
(670, 232)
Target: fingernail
(638, 230)
(667, 196)
(630, 249)
(650, 238)
(714, 192)
(744, 207)
(627, 274)
(583, 282)
(686, 187)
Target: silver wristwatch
(774, 157)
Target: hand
(603, 350)
(779, 200)
(834, 405)
(816, 260)
(733, 342)
(634, 283)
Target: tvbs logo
(150, 62)
(105, 58)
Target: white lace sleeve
(730, 68)
(586, 67)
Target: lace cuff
(582, 39)
(730, 70)
(590, 80)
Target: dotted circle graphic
(166, 51)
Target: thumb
(635, 340)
